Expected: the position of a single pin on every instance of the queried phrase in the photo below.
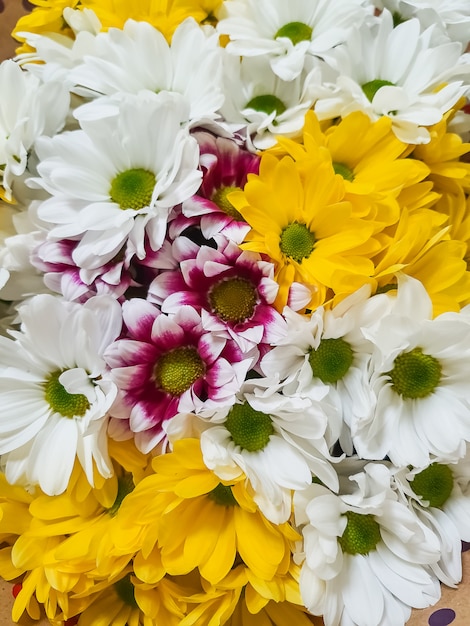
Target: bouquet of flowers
(235, 294)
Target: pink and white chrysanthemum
(115, 181)
(233, 290)
(55, 392)
(225, 167)
(165, 365)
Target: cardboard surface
(454, 606)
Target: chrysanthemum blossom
(326, 355)
(232, 289)
(115, 180)
(418, 374)
(450, 17)
(366, 555)
(291, 221)
(225, 167)
(397, 72)
(165, 365)
(276, 440)
(264, 105)
(31, 109)
(54, 392)
(438, 494)
(286, 33)
(123, 61)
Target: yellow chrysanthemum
(165, 15)
(41, 534)
(367, 155)
(307, 228)
(199, 521)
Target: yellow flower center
(178, 369)
(221, 200)
(267, 104)
(222, 495)
(435, 484)
(67, 404)
(249, 429)
(332, 359)
(414, 374)
(295, 31)
(344, 171)
(361, 535)
(297, 242)
(371, 88)
(133, 188)
(233, 300)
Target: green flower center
(331, 360)
(178, 369)
(133, 188)
(372, 87)
(221, 200)
(267, 104)
(125, 486)
(295, 31)
(434, 484)
(233, 300)
(297, 242)
(361, 535)
(222, 495)
(61, 401)
(125, 590)
(344, 171)
(414, 374)
(249, 429)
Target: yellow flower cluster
(162, 542)
(350, 204)
(166, 15)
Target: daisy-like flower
(167, 364)
(438, 494)
(121, 61)
(54, 394)
(32, 109)
(450, 17)
(417, 373)
(262, 103)
(395, 71)
(116, 179)
(233, 291)
(291, 220)
(225, 167)
(327, 355)
(201, 521)
(275, 440)
(287, 33)
(366, 556)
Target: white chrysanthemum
(366, 556)
(28, 109)
(53, 394)
(451, 17)
(267, 106)
(395, 72)
(418, 372)
(139, 57)
(439, 495)
(327, 354)
(286, 32)
(276, 441)
(116, 179)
